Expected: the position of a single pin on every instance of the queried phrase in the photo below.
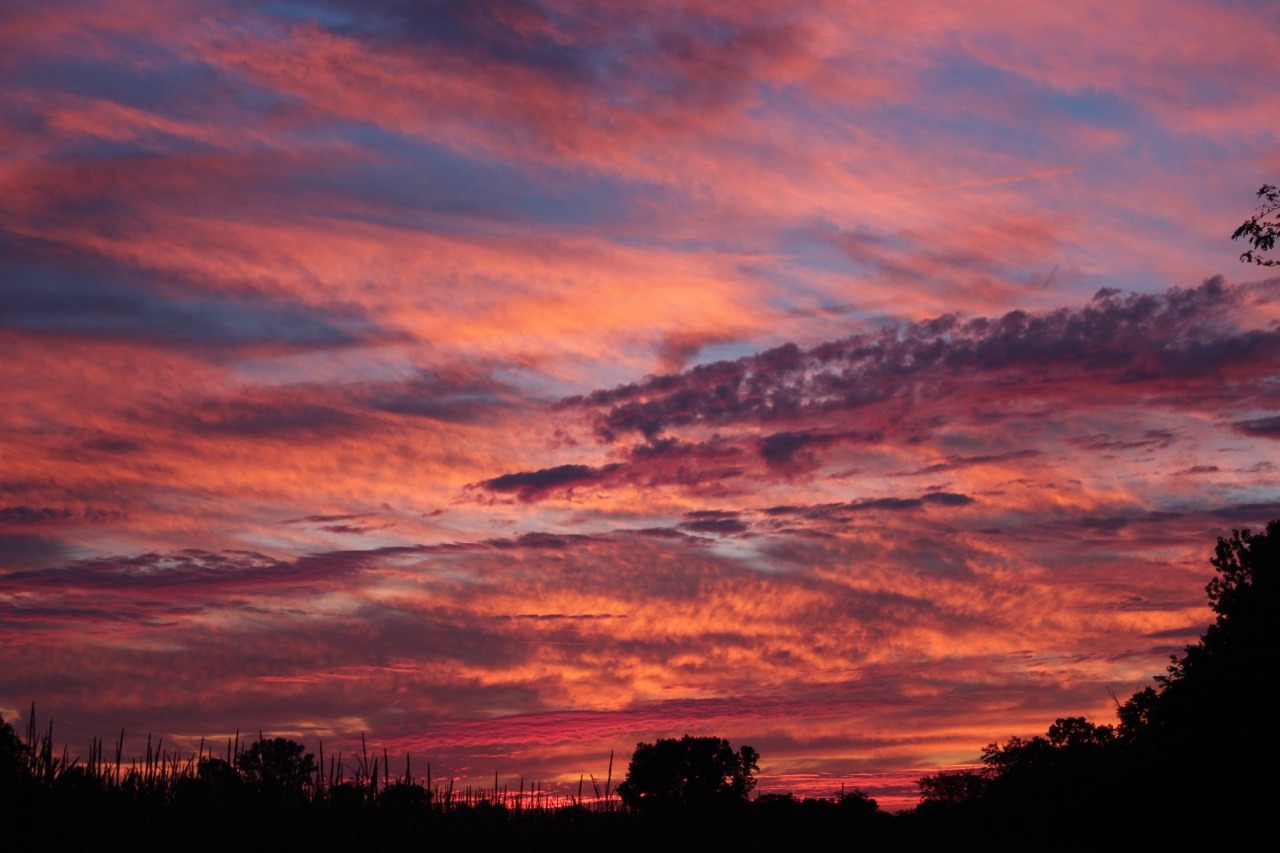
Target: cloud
(840, 512)
(780, 449)
(531, 485)
(1151, 439)
(1180, 347)
(48, 515)
(540, 540)
(83, 303)
(614, 76)
(269, 417)
(705, 468)
(20, 551)
(719, 522)
(728, 427)
(1261, 427)
(323, 519)
(955, 463)
(33, 515)
(189, 569)
(447, 396)
(678, 348)
(342, 409)
(913, 628)
(352, 529)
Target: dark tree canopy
(1218, 678)
(1243, 597)
(1199, 734)
(693, 772)
(13, 754)
(277, 765)
(953, 787)
(1262, 229)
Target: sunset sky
(515, 381)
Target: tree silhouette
(14, 759)
(1197, 736)
(693, 772)
(953, 787)
(1260, 233)
(278, 766)
(1210, 710)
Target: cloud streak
(1173, 346)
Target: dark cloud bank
(1183, 344)
(1184, 350)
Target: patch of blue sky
(1098, 109)
(547, 384)
(790, 104)
(411, 178)
(1021, 119)
(466, 28)
(327, 15)
(826, 248)
(1261, 497)
(96, 302)
(751, 553)
(812, 258)
(193, 93)
(376, 362)
(725, 351)
(158, 79)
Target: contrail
(1049, 278)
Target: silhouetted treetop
(1245, 588)
(690, 772)
(1243, 596)
(953, 787)
(1218, 678)
(277, 765)
(1198, 735)
(13, 754)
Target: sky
(516, 381)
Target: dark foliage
(1258, 231)
(274, 795)
(12, 752)
(1197, 737)
(690, 773)
(276, 767)
(952, 788)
